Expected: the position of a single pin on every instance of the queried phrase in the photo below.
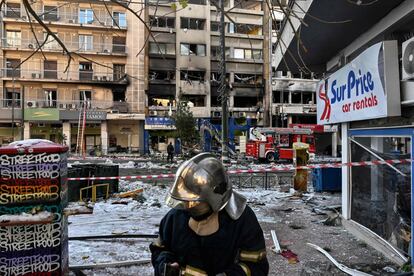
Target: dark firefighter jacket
(237, 248)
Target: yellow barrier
(93, 188)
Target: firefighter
(210, 230)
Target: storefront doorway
(381, 195)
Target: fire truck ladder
(207, 126)
(80, 149)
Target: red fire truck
(270, 144)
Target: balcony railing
(92, 76)
(66, 104)
(31, 44)
(70, 18)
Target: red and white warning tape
(263, 170)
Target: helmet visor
(179, 191)
(181, 204)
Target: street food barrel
(33, 194)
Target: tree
(185, 123)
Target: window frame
(86, 16)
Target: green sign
(41, 114)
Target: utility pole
(223, 85)
(22, 114)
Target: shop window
(85, 42)
(162, 22)
(381, 194)
(13, 68)
(85, 71)
(119, 71)
(119, 19)
(118, 44)
(50, 69)
(12, 97)
(13, 38)
(50, 13)
(192, 23)
(193, 49)
(85, 16)
(12, 10)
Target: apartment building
(183, 61)
(48, 92)
(293, 99)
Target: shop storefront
(159, 132)
(125, 133)
(73, 127)
(364, 96)
(44, 123)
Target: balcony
(98, 77)
(293, 108)
(53, 46)
(193, 87)
(75, 105)
(104, 21)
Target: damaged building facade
(182, 63)
(45, 96)
(367, 89)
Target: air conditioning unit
(104, 78)
(23, 17)
(242, 114)
(62, 106)
(153, 113)
(96, 78)
(35, 76)
(30, 46)
(31, 104)
(216, 114)
(71, 21)
(106, 51)
(408, 59)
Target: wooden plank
(111, 264)
(116, 236)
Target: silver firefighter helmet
(203, 178)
